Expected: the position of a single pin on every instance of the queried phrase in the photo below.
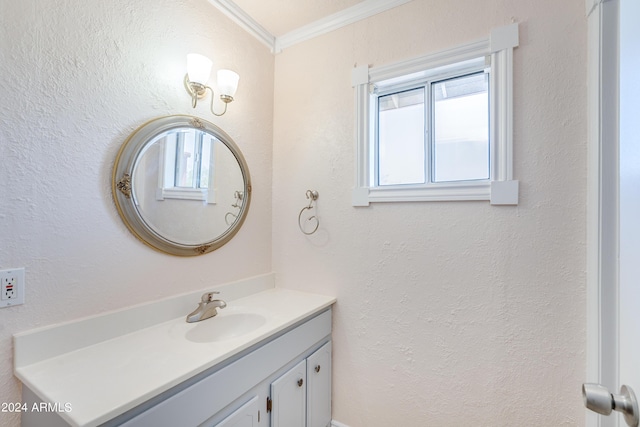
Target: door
(630, 193)
(618, 130)
(289, 398)
(319, 387)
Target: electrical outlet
(8, 291)
(11, 287)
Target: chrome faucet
(206, 308)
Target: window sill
(496, 192)
(186, 194)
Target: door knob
(598, 399)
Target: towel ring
(230, 217)
(312, 196)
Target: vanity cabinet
(293, 371)
(145, 366)
(302, 396)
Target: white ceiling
(282, 23)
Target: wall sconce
(195, 81)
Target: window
(186, 172)
(438, 127)
(445, 139)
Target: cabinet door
(244, 416)
(288, 398)
(319, 387)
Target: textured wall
(76, 78)
(448, 313)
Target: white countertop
(107, 378)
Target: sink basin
(225, 326)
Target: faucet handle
(208, 296)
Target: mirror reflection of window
(192, 158)
(187, 160)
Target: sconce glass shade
(198, 68)
(227, 83)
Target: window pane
(185, 159)
(401, 147)
(461, 134)
(205, 160)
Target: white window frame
(166, 178)
(500, 189)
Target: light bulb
(198, 68)
(227, 83)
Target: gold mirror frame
(123, 181)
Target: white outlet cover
(18, 275)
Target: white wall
(76, 78)
(456, 313)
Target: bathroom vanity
(263, 361)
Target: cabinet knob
(300, 382)
(317, 368)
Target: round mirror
(181, 185)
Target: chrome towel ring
(312, 196)
(230, 217)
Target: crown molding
(362, 10)
(338, 20)
(242, 18)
